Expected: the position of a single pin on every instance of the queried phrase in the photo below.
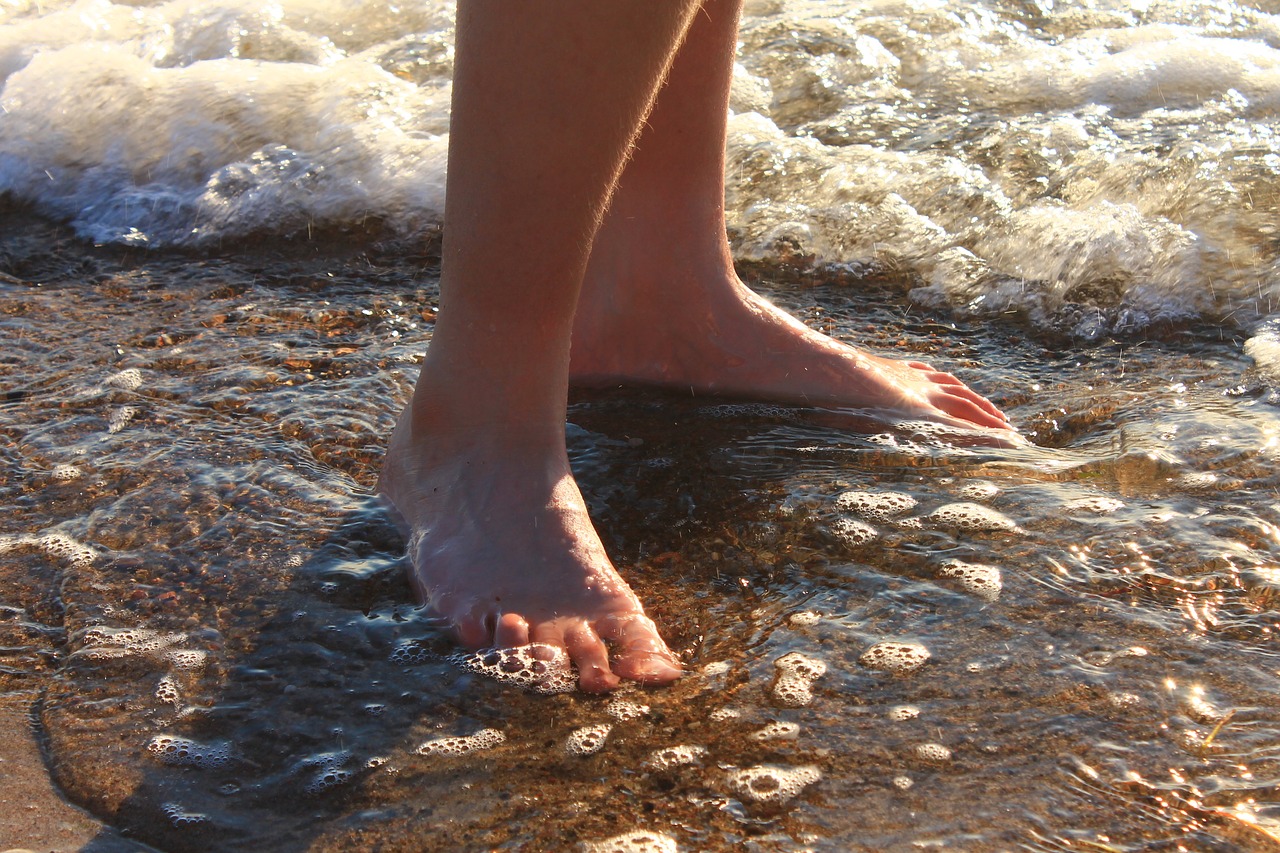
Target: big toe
(640, 653)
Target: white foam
(771, 783)
(982, 580)
(853, 532)
(934, 753)
(587, 740)
(181, 818)
(537, 667)
(637, 841)
(624, 709)
(895, 657)
(458, 745)
(777, 730)
(971, 517)
(1077, 199)
(185, 752)
(903, 712)
(793, 687)
(877, 506)
(671, 757)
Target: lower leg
(662, 304)
(547, 98)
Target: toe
(591, 656)
(512, 631)
(475, 630)
(640, 653)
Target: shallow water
(1071, 205)
(213, 619)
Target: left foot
(726, 340)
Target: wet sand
(894, 637)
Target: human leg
(547, 99)
(661, 303)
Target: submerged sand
(894, 638)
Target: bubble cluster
(181, 818)
(972, 517)
(935, 753)
(676, 756)
(587, 740)
(120, 418)
(410, 653)
(328, 771)
(900, 713)
(167, 691)
(852, 532)
(805, 618)
(903, 783)
(624, 709)
(129, 379)
(772, 783)
(66, 472)
(982, 580)
(979, 491)
(190, 659)
(777, 730)
(638, 841)
(462, 744)
(877, 506)
(894, 657)
(720, 715)
(793, 687)
(1098, 504)
(184, 752)
(537, 667)
(103, 643)
(60, 546)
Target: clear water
(210, 615)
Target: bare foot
(501, 546)
(727, 340)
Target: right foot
(501, 545)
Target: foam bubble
(167, 691)
(979, 491)
(903, 783)
(184, 752)
(181, 818)
(1097, 504)
(900, 713)
(624, 709)
(120, 418)
(972, 517)
(328, 771)
(587, 740)
(537, 667)
(638, 841)
(793, 687)
(805, 618)
(982, 580)
(66, 472)
(894, 657)
(458, 745)
(64, 547)
(771, 783)
(852, 532)
(103, 643)
(933, 752)
(129, 379)
(877, 506)
(190, 659)
(410, 653)
(720, 715)
(676, 756)
(777, 730)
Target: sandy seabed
(894, 638)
